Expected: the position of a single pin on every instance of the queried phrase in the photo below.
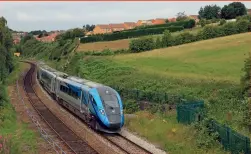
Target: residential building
(89, 33)
(195, 17)
(171, 19)
(129, 25)
(117, 27)
(158, 21)
(50, 38)
(101, 29)
(144, 22)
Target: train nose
(114, 120)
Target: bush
(141, 44)
(245, 17)
(242, 26)
(208, 32)
(230, 28)
(249, 27)
(131, 106)
(167, 39)
(130, 34)
(158, 43)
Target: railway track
(125, 145)
(72, 140)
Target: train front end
(110, 110)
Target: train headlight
(102, 111)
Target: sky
(27, 16)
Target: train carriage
(100, 106)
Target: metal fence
(230, 139)
(189, 112)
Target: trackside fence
(189, 112)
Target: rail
(57, 148)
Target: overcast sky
(27, 16)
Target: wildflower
(1, 145)
(0, 137)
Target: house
(50, 38)
(195, 17)
(144, 22)
(101, 29)
(159, 21)
(117, 27)
(171, 19)
(89, 33)
(129, 25)
(249, 11)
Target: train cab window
(92, 100)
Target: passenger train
(98, 105)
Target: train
(98, 105)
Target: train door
(53, 83)
(85, 101)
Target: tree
(88, 27)
(233, 10)
(202, 22)
(181, 16)
(6, 55)
(210, 12)
(166, 20)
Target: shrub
(202, 22)
(167, 39)
(208, 32)
(249, 27)
(131, 106)
(230, 28)
(158, 43)
(242, 25)
(245, 17)
(187, 37)
(141, 44)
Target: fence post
(247, 149)
(228, 138)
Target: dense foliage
(209, 12)
(6, 54)
(233, 10)
(142, 44)
(71, 34)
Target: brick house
(144, 22)
(50, 38)
(129, 25)
(195, 17)
(117, 27)
(159, 21)
(172, 19)
(101, 29)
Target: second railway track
(72, 140)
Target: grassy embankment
(23, 139)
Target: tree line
(229, 11)
(6, 54)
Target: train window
(92, 100)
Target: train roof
(85, 82)
(54, 71)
